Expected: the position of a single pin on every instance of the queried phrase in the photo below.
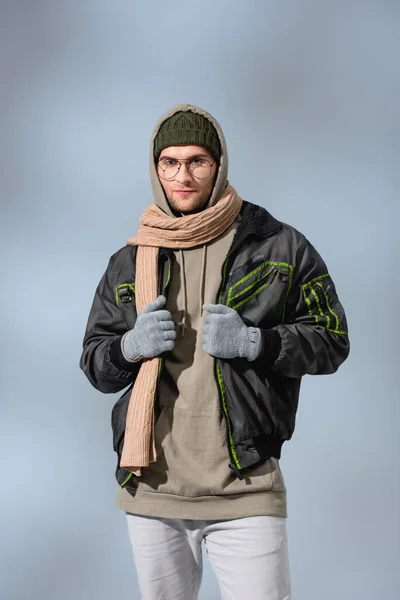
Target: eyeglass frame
(184, 160)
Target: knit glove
(226, 336)
(153, 334)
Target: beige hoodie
(191, 478)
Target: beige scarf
(158, 230)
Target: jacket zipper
(234, 464)
(264, 281)
(165, 290)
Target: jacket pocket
(125, 299)
(267, 274)
(320, 297)
(124, 293)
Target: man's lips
(184, 192)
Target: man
(211, 315)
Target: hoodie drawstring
(202, 278)
(183, 285)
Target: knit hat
(187, 127)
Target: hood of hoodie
(222, 174)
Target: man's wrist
(254, 343)
(118, 359)
(271, 346)
(129, 348)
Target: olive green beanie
(187, 128)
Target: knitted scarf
(158, 230)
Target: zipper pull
(235, 470)
(283, 274)
(125, 294)
(319, 293)
(272, 275)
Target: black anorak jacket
(277, 281)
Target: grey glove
(226, 336)
(153, 334)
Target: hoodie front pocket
(267, 274)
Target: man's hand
(153, 334)
(226, 336)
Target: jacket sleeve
(102, 360)
(313, 339)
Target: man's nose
(184, 175)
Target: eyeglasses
(199, 167)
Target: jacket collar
(256, 221)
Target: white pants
(249, 557)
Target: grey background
(308, 95)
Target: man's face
(186, 193)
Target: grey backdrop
(308, 95)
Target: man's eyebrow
(189, 157)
